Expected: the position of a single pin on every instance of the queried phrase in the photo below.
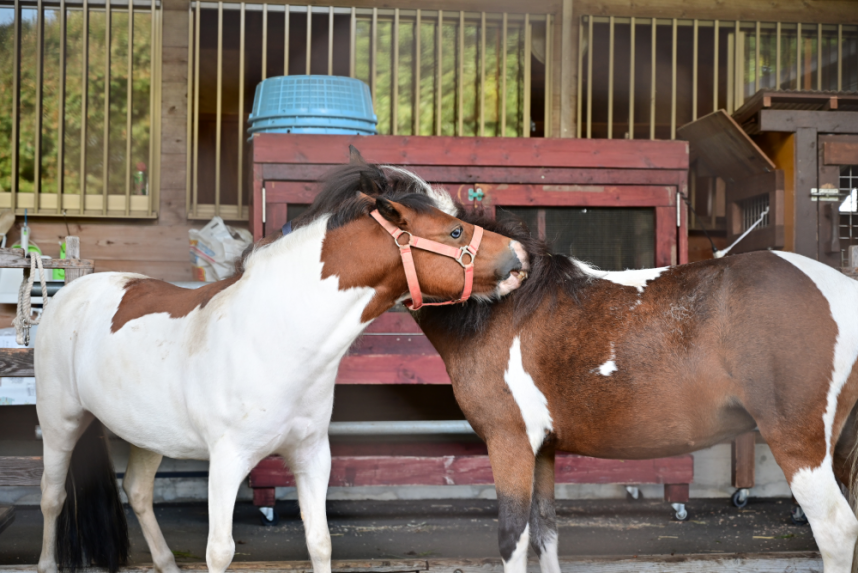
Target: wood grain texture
(14, 259)
(742, 460)
(840, 152)
(20, 471)
(822, 121)
(470, 151)
(349, 471)
(16, 362)
(794, 562)
(392, 369)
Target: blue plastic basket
(312, 104)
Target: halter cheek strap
(465, 256)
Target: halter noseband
(419, 243)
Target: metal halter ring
(466, 251)
(396, 239)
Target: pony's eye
(457, 232)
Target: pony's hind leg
(228, 466)
(138, 484)
(543, 522)
(312, 469)
(56, 458)
(513, 465)
(816, 489)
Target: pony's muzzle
(514, 269)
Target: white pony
(234, 371)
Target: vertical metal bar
(264, 41)
(694, 72)
(757, 59)
(394, 76)
(61, 115)
(373, 55)
(438, 75)
(16, 97)
(610, 77)
(84, 95)
(673, 84)
(129, 100)
(578, 111)
(819, 57)
(196, 107)
(460, 80)
(331, 40)
(632, 79)
(219, 105)
(715, 69)
(652, 85)
(241, 135)
(310, 40)
(154, 64)
(286, 40)
(798, 56)
(778, 56)
(589, 77)
(503, 74)
(528, 35)
(738, 77)
(415, 114)
(482, 74)
(353, 25)
(840, 57)
(105, 168)
(40, 55)
(546, 132)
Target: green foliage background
(96, 77)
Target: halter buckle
(396, 239)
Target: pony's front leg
(312, 469)
(513, 466)
(228, 466)
(543, 520)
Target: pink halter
(419, 243)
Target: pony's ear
(372, 183)
(355, 158)
(390, 211)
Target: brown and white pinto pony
(234, 371)
(658, 362)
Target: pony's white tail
(853, 498)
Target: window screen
(610, 238)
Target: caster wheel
(680, 512)
(797, 516)
(740, 498)
(633, 492)
(268, 517)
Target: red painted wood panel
(475, 470)
(505, 152)
(665, 236)
(395, 322)
(392, 344)
(467, 447)
(517, 195)
(392, 369)
(435, 174)
(569, 195)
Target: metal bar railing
(589, 78)
(415, 115)
(196, 115)
(673, 83)
(611, 78)
(241, 136)
(580, 78)
(40, 55)
(778, 57)
(61, 137)
(632, 80)
(504, 33)
(652, 84)
(548, 87)
(309, 37)
(482, 118)
(129, 100)
(460, 80)
(439, 76)
(331, 39)
(394, 107)
(693, 71)
(264, 38)
(528, 34)
(16, 99)
(219, 105)
(286, 42)
(106, 143)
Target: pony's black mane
(550, 275)
(340, 195)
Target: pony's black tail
(91, 530)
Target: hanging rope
(24, 318)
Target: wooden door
(837, 212)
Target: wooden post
(73, 252)
(742, 461)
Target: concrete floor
(458, 529)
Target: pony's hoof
(797, 516)
(268, 516)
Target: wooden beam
(350, 471)
(840, 152)
(742, 460)
(819, 121)
(806, 175)
(14, 259)
(20, 471)
(16, 362)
